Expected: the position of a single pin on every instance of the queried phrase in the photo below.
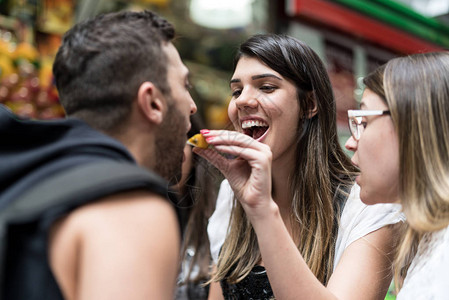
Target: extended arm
(364, 271)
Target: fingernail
(208, 139)
(204, 131)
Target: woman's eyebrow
(256, 77)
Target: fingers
(246, 153)
(225, 137)
(240, 147)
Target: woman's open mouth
(254, 128)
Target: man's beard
(170, 140)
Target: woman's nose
(247, 99)
(351, 144)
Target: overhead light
(221, 14)
(429, 8)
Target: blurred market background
(351, 36)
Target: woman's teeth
(254, 128)
(253, 123)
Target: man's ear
(151, 102)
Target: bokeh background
(351, 36)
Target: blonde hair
(322, 176)
(417, 93)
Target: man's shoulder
(111, 219)
(122, 209)
(93, 186)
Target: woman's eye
(267, 88)
(361, 121)
(236, 93)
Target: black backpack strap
(75, 187)
(85, 182)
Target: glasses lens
(360, 126)
(354, 128)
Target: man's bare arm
(122, 247)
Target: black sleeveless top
(255, 286)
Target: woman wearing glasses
(400, 139)
(294, 232)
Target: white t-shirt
(357, 220)
(217, 227)
(428, 275)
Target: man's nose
(193, 107)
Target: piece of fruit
(198, 140)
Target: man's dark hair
(102, 62)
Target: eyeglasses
(356, 123)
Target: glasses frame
(355, 117)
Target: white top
(219, 221)
(428, 275)
(357, 220)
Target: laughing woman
(298, 229)
(401, 144)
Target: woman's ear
(151, 102)
(312, 106)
